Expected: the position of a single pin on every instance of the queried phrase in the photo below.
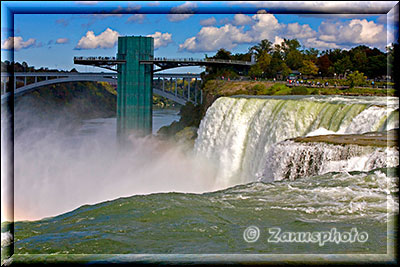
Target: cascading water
(238, 132)
(290, 160)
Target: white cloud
(17, 43)
(106, 39)
(161, 39)
(62, 40)
(208, 22)
(182, 12)
(213, 38)
(295, 30)
(241, 19)
(278, 40)
(318, 44)
(88, 3)
(178, 17)
(266, 27)
(139, 18)
(354, 32)
(370, 32)
(323, 6)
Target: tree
(255, 71)
(25, 66)
(264, 61)
(289, 45)
(265, 46)
(360, 57)
(294, 59)
(222, 54)
(377, 66)
(276, 62)
(311, 54)
(285, 70)
(342, 65)
(291, 55)
(356, 78)
(308, 68)
(323, 64)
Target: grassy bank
(229, 88)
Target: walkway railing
(226, 61)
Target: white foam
(238, 133)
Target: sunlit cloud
(17, 43)
(208, 22)
(62, 40)
(88, 3)
(106, 39)
(241, 19)
(161, 39)
(213, 38)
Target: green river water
(359, 206)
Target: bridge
(161, 62)
(136, 78)
(169, 85)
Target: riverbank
(229, 88)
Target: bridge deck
(162, 63)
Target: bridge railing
(203, 60)
(95, 58)
(188, 89)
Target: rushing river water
(225, 197)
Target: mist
(60, 166)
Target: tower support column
(135, 90)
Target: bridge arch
(88, 78)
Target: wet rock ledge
(375, 139)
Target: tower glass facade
(135, 91)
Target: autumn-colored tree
(323, 64)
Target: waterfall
(237, 133)
(291, 160)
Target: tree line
(289, 56)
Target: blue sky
(190, 29)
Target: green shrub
(300, 90)
(258, 89)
